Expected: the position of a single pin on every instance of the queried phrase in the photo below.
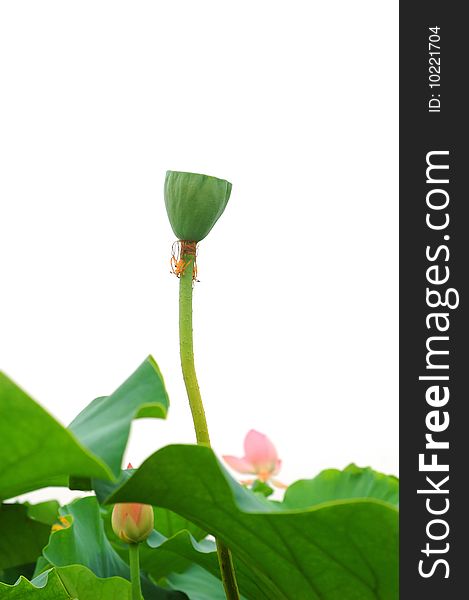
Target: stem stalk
(135, 572)
(186, 346)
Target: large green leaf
(47, 586)
(45, 512)
(41, 565)
(352, 482)
(85, 543)
(37, 451)
(65, 583)
(331, 551)
(21, 538)
(81, 583)
(168, 523)
(160, 555)
(12, 574)
(163, 557)
(104, 425)
(198, 584)
(175, 550)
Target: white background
(296, 310)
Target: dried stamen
(178, 264)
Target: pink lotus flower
(260, 459)
(132, 522)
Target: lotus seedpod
(194, 203)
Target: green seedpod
(194, 203)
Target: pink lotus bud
(132, 522)
(260, 458)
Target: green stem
(186, 346)
(186, 349)
(135, 572)
(228, 575)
